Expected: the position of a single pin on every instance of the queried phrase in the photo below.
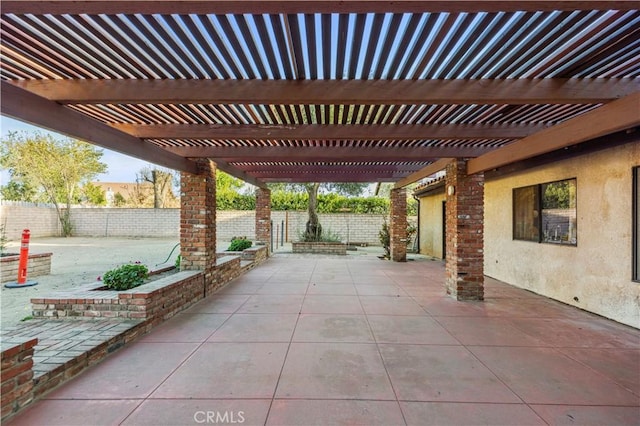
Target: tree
(93, 195)
(313, 229)
(57, 168)
(18, 191)
(162, 181)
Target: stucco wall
(431, 223)
(595, 275)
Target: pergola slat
(329, 132)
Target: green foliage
(94, 195)
(412, 206)
(385, 237)
(559, 195)
(347, 189)
(335, 203)
(126, 276)
(285, 200)
(226, 182)
(326, 236)
(178, 261)
(18, 191)
(227, 199)
(239, 244)
(119, 200)
(296, 201)
(3, 239)
(57, 168)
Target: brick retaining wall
(17, 375)
(38, 264)
(319, 248)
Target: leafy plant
(239, 244)
(178, 261)
(3, 239)
(126, 276)
(328, 236)
(385, 237)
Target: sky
(120, 167)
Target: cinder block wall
(42, 221)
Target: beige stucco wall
(598, 270)
(431, 223)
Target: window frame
(538, 213)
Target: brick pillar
(398, 225)
(198, 219)
(465, 232)
(263, 216)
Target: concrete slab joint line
(356, 339)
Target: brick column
(398, 225)
(465, 232)
(263, 216)
(198, 219)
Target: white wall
(598, 270)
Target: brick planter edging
(17, 375)
(159, 299)
(319, 247)
(143, 307)
(38, 264)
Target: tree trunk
(156, 189)
(314, 229)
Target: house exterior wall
(431, 223)
(594, 275)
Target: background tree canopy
(50, 170)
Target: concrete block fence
(42, 221)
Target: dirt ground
(77, 261)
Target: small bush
(126, 276)
(239, 244)
(385, 237)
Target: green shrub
(385, 237)
(239, 244)
(126, 276)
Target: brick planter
(17, 374)
(156, 300)
(319, 248)
(39, 264)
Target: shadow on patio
(306, 340)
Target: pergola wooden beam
(275, 169)
(335, 92)
(240, 174)
(22, 105)
(233, 154)
(304, 6)
(610, 118)
(424, 172)
(328, 132)
(304, 178)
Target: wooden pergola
(304, 91)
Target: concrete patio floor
(312, 340)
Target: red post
(24, 257)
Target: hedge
(327, 203)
